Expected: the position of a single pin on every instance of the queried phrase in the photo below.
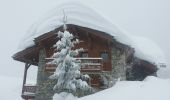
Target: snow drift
(151, 88)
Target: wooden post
(25, 76)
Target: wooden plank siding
(93, 44)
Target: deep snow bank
(152, 88)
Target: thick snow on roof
(146, 49)
(81, 15)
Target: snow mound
(81, 15)
(151, 89)
(64, 96)
(151, 78)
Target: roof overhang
(30, 54)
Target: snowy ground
(151, 88)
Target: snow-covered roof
(82, 15)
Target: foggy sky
(148, 18)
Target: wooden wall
(92, 43)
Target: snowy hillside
(151, 88)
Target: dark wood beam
(100, 34)
(25, 75)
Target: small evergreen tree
(67, 73)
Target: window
(84, 54)
(104, 56)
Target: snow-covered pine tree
(67, 73)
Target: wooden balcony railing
(87, 64)
(29, 91)
(91, 64)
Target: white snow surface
(64, 96)
(81, 15)
(152, 88)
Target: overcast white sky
(148, 18)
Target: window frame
(105, 57)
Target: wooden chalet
(104, 58)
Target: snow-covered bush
(67, 73)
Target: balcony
(28, 91)
(87, 65)
(91, 64)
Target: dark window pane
(104, 55)
(84, 54)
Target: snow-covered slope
(151, 88)
(81, 15)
